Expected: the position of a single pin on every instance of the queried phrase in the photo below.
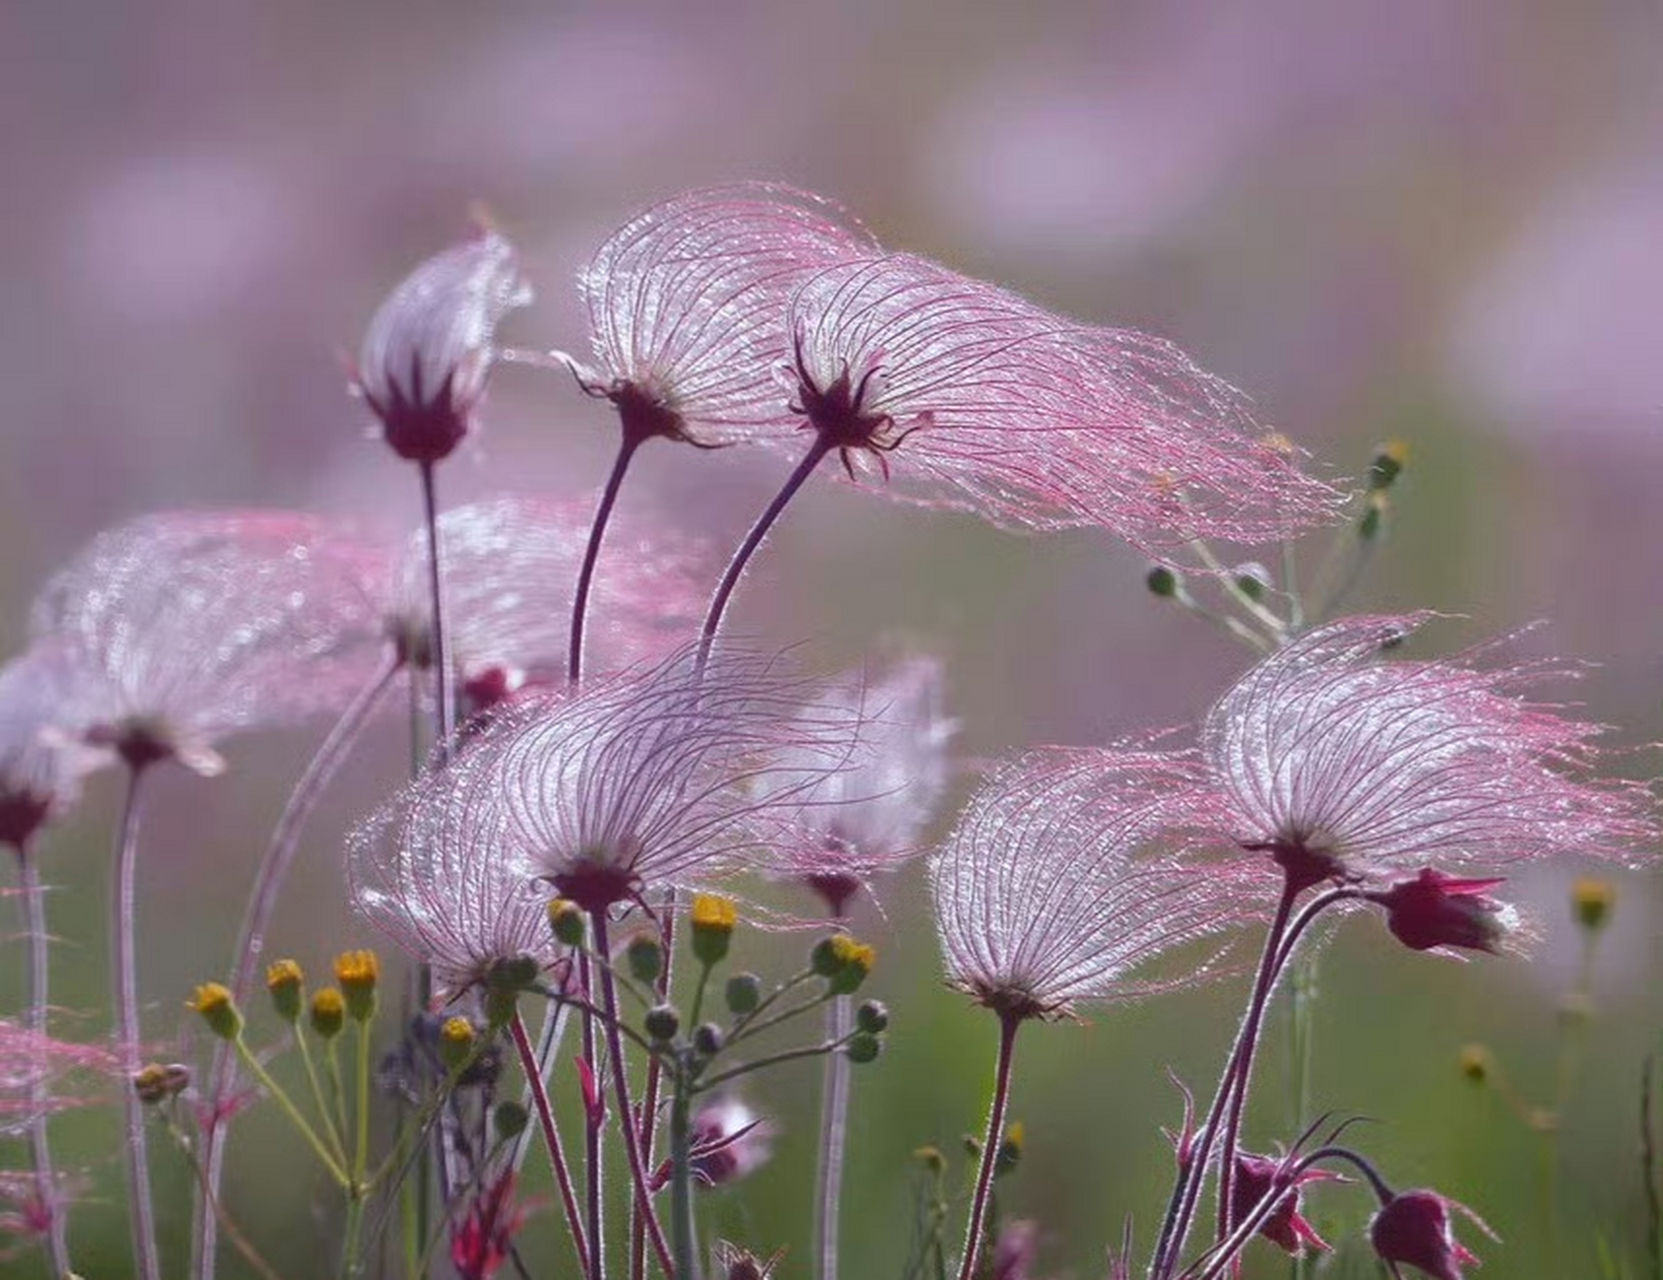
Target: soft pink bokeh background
(1437, 221)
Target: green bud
(863, 1047)
(287, 987)
(707, 1039)
(744, 993)
(872, 1016)
(566, 921)
(1162, 582)
(1389, 461)
(509, 1119)
(645, 958)
(713, 919)
(515, 974)
(213, 1001)
(662, 1022)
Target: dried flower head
(652, 778)
(428, 351)
(510, 564)
(1342, 762)
(1046, 893)
(1027, 419)
(180, 628)
(869, 817)
(687, 308)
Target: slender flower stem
(32, 900)
(742, 557)
(533, 1068)
(620, 1085)
(443, 677)
(990, 1146)
(655, 1072)
(125, 982)
(681, 1178)
(834, 1127)
(273, 871)
(591, 554)
(1192, 1174)
(548, 1046)
(593, 1119)
(286, 1104)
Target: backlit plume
(178, 629)
(1342, 761)
(687, 308)
(1047, 892)
(964, 395)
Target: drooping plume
(958, 393)
(1052, 888)
(1340, 760)
(687, 308)
(180, 628)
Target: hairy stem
(533, 1068)
(593, 1120)
(32, 900)
(990, 1146)
(591, 554)
(443, 677)
(124, 980)
(681, 1179)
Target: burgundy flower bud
(1256, 1177)
(1435, 910)
(1413, 1227)
(428, 350)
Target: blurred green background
(1424, 220)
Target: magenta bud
(1435, 910)
(1413, 1227)
(1257, 1177)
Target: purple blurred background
(1440, 222)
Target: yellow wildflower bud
(328, 1013)
(155, 1083)
(287, 985)
(213, 1001)
(1389, 460)
(566, 919)
(931, 1158)
(1010, 1151)
(713, 920)
(843, 962)
(357, 973)
(1475, 1063)
(456, 1042)
(1591, 902)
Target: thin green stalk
(336, 1142)
(124, 981)
(358, 1190)
(294, 1114)
(771, 1060)
(834, 1128)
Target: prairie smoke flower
(1042, 899)
(868, 817)
(1027, 419)
(484, 1237)
(177, 629)
(428, 871)
(40, 772)
(1414, 1227)
(510, 564)
(1438, 911)
(652, 778)
(1343, 763)
(687, 308)
(729, 1142)
(428, 351)
(1256, 1178)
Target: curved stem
(620, 1086)
(33, 904)
(124, 980)
(834, 1125)
(764, 522)
(273, 871)
(548, 1045)
(591, 554)
(1192, 1173)
(990, 1146)
(443, 677)
(533, 1068)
